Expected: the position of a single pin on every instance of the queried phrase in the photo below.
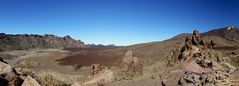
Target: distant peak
(67, 36)
(2, 34)
(231, 28)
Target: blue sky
(120, 22)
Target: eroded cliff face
(25, 41)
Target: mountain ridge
(227, 36)
(27, 41)
(229, 33)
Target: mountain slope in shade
(25, 41)
(230, 33)
(228, 36)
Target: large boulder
(5, 68)
(29, 81)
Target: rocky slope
(229, 33)
(228, 36)
(25, 41)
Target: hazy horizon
(119, 22)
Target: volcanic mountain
(229, 33)
(228, 36)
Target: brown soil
(89, 56)
(227, 48)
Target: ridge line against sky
(120, 22)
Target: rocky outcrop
(194, 48)
(25, 41)
(4, 68)
(130, 68)
(217, 78)
(7, 76)
(131, 64)
(196, 63)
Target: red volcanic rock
(197, 69)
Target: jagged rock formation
(130, 67)
(131, 64)
(25, 41)
(197, 64)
